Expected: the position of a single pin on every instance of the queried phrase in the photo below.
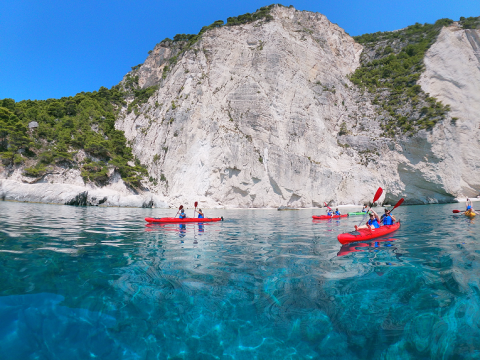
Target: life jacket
(182, 216)
(373, 223)
(329, 213)
(200, 216)
(387, 220)
(337, 212)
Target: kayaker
(470, 211)
(469, 206)
(337, 212)
(329, 212)
(365, 208)
(182, 214)
(387, 218)
(374, 222)
(200, 214)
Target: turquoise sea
(97, 283)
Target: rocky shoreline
(89, 195)
(68, 194)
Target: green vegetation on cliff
(470, 22)
(391, 65)
(59, 128)
(184, 42)
(261, 14)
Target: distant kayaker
(365, 208)
(337, 212)
(469, 206)
(200, 214)
(387, 218)
(374, 222)
(182, 214)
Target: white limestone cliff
(263, 115)
(251, 118)
(453, 76)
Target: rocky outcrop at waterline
(263, 114)
(67, 188)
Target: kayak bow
(179, 221)
(367, 234)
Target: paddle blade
(378, 194)
(327, 206)
(456, 211)
(400, 202)
(196, 203)
(181, 207)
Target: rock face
(263, 115)
(453, 76)
(250, 116)
(65, 186)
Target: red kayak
(180, 221)
(367, 234)
(326, 217)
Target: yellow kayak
(470, 213)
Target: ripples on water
(80, 283)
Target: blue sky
(53, 48)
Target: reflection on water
(384, 243)
(100, 282)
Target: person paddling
(337, 212)
(182, 214)
(374, 221)
(469, 206)
(387, 218)
(200, 214)
(329, 212)
(365, 209)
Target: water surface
(82, 283)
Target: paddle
(400, 202)
(469, 202)
(375, 198)
(329, 208)
(458, 211)
(194, 211)
(180, 208)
